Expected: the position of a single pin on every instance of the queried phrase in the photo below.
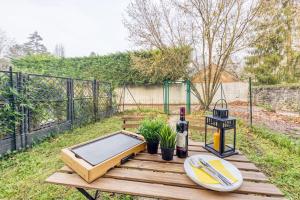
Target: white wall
(154, 94)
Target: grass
(23, 174)
(275, 154)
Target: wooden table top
(149, 176)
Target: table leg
(87, 195)
(98, 195)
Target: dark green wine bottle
(182, 127)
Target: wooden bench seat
(134, 122)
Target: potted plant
(167, 142)
(150, 130)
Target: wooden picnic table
(149, 176)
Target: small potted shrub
(150, 130)
(167, 142)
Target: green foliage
(265, 60)
(279, 139)
(47, 99)
(117, 68)
(272, 59)
(167, 137)
(9, 117)
(150, 129)
(166, 64)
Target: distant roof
(226, 77)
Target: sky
(82, 26)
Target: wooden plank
(198, 146)
(130, 125)
(66, 169)
(157, 157)
(237, 157)
(248, 175)
(148, 189)
(183, 181)
(132, 118)
(254, 176)
(177, 168)
(201, 148)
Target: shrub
(150, 129)
(167, 137)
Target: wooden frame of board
(89, 172)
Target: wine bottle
(182, 135)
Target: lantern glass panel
(229, 136)
(213, 137)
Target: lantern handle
(222, 104)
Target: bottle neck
(182, 118)
(182, 114)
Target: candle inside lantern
(217, 140)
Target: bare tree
(216, 30)
(17, 51)
(59, 50)
(5, 44)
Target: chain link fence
(33, 107)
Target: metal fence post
(70, 96)
(95, 98)
(188, 96)
(166, 97)
(250, 99)
(111, 111)
(21, 110)
(25, 78)
(13, 106)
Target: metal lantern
(220, 120)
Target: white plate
(218, 187)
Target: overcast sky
(82, 26)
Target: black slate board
(100, 150)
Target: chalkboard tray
(94, 158)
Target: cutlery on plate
(213, 170)
(212, 173)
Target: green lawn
(276, 154)
(23, 174)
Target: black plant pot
(152, 147)
(167, 153)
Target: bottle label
(181, 139)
